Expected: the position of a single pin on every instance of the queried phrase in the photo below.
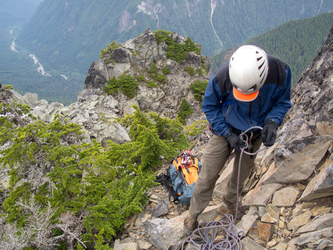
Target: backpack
(181, 177)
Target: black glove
(235, 142)
(268, 133)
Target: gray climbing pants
(215, 156)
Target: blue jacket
(224, 113)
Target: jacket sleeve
(212, 107)
(282, 101)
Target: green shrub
(83, 180)
(8, 87)
(203, 64)
(151, 84)
(198, 88)
(111, 47)
(175, 51)
(153, 69)
(165, 71)
(199, 72)
(141, 78)
(112, 86)
(191, 46)
(162, 35)
(190, 70)
(160, 78)
(11, 207)
(185, 111)
(125, 83)
(196, 128)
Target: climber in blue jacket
(252, 89)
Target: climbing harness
(221, 234)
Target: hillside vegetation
(66, 36)
(296, 42)
(68, 193)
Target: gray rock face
(313, 96)
(134, 58)
(97, 75)
(288, 167)
(320, 186)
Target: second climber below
(252, 89)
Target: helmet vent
(260, 66)
(253, 88)
(259, 58)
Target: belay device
(181, 177)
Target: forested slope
(67, 36)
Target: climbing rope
(221, 234)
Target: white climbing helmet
(248, 69)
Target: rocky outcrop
(288, 197)
(95, 110)
(135, 58)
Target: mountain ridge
(67, 36)
(287, 198)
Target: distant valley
(55, 48)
